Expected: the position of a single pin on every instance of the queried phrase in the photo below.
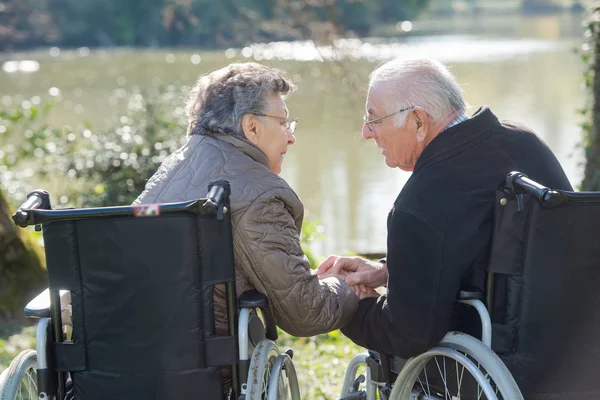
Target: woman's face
(271, 134)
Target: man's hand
(358, 272)
(364, 292)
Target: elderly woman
(239, 130)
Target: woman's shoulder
(257, 188)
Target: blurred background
(106, 82)
(92, 95)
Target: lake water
(525, 69)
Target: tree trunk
(22, 274)
(591, 180)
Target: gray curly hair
(219, 100)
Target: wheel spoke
(446, 380)
(421, 383)
(427, 383)
(32, 383)
(459, 377)
(447, 393)
(479, 388)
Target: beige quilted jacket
(267, 217)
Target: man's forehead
(374, 103)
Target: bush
(91, 168)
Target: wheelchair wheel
(19, 381)
(271, 374)
(460, 367)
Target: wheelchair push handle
(218, 196)
(38, 199)
(518, 180)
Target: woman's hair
(422, 83)
(219, 100)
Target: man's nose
(366, 132)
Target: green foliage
(207, 23)
(392, 10)
(311, 231)
(591, 126)
(92, 168)
(13, 344)
(320, 362)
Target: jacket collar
(458, 137)
(246, 147)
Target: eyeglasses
(369, 123)
(290, 126)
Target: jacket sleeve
(267, 245)
(423, 280)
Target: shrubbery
(84, 166)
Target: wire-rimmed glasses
(290, 126)
(369, 122)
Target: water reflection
(20, 66)
(447, 48)
(530, 75)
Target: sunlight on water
(20, 66)
(445, 49)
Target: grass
(320, 361)
(12, 344)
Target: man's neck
(441, 126)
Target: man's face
(273, 137)
(398, 145)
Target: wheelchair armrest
(39, 307)
(474, 297)
(470, 293)
(254, 299)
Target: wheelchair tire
(19, 381)
(466, 354)
(283, 373)
(266, 360)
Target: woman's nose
(291, 138)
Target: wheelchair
(537, 305)
(129, 311)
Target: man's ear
(250, 128)
(421, 127)
(421, 120)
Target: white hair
(422, 83)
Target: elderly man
(440, 225)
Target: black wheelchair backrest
(141, 280)
(545, 280)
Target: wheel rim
(446, 378)
(444, 374)
(284, 387)
(28, 386)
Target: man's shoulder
(517, 128)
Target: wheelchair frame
(455, 345)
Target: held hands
(362, 275)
